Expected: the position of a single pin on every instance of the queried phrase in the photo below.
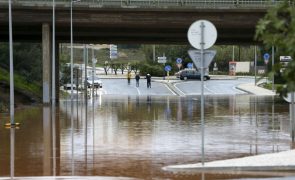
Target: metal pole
(53, 138)
(85, 71)
(233, 53)
(71, 52)
(12, 145)
(255, 63)
(272, 63)
(202, 88)
(53, 51)
(11, 68)
(72, 119)
(292, 118)
(93, 74)
(154, 53)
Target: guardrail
(192, 4)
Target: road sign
(265, 61)
(167, 68)
(179, 65)
(285, 58)
(194, 34)
(94, 60)
(196, 57)
(162, 59)
(190, 65)
(178, 60)
(266, 56)
(113, 51)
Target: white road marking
(170, 89)
(178, 88)
(138, 91)
(205, 87)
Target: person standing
(129, 77)
(137, 77)
(148, 80)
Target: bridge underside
(125, 25)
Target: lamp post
(53, 52)
(72, 120)
(11, 69)
(72, 1)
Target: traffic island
(275, 164)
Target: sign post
(178, 63)
(168, 69)
(202, 35)
(290, 98)
(266, 58)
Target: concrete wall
(243, 67)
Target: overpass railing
(190, 4)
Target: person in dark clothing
(137, 77)
(148, 80)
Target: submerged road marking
(170, 89)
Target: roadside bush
(245, 74)
(154, 70)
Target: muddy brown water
(133, 136)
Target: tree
(277, 28)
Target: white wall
(243, 67)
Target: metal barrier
(186, 4)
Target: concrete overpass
(133, 21)
(128, 21)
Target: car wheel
(205, 78)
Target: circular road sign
(178, 60)
(266, 56)
(167, 68)
(190, 65)
(194, 34)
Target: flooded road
(135, 136)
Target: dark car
(97, 82)
(192, 74)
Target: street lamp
(72, 1)
(53, 52)
(11, 69)
(72, 120)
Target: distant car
(97, 82)
(68, 86)
(192, 74)
(177, 74)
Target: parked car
(192, 74)
(97, 82)
(68, 86)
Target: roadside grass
(269, 86)
(29, 88)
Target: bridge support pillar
(46, 50)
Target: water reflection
(136, 136)
(12, 145)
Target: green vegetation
(278, 28)
(27, 73)
(31, 89)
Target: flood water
(135, 136)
